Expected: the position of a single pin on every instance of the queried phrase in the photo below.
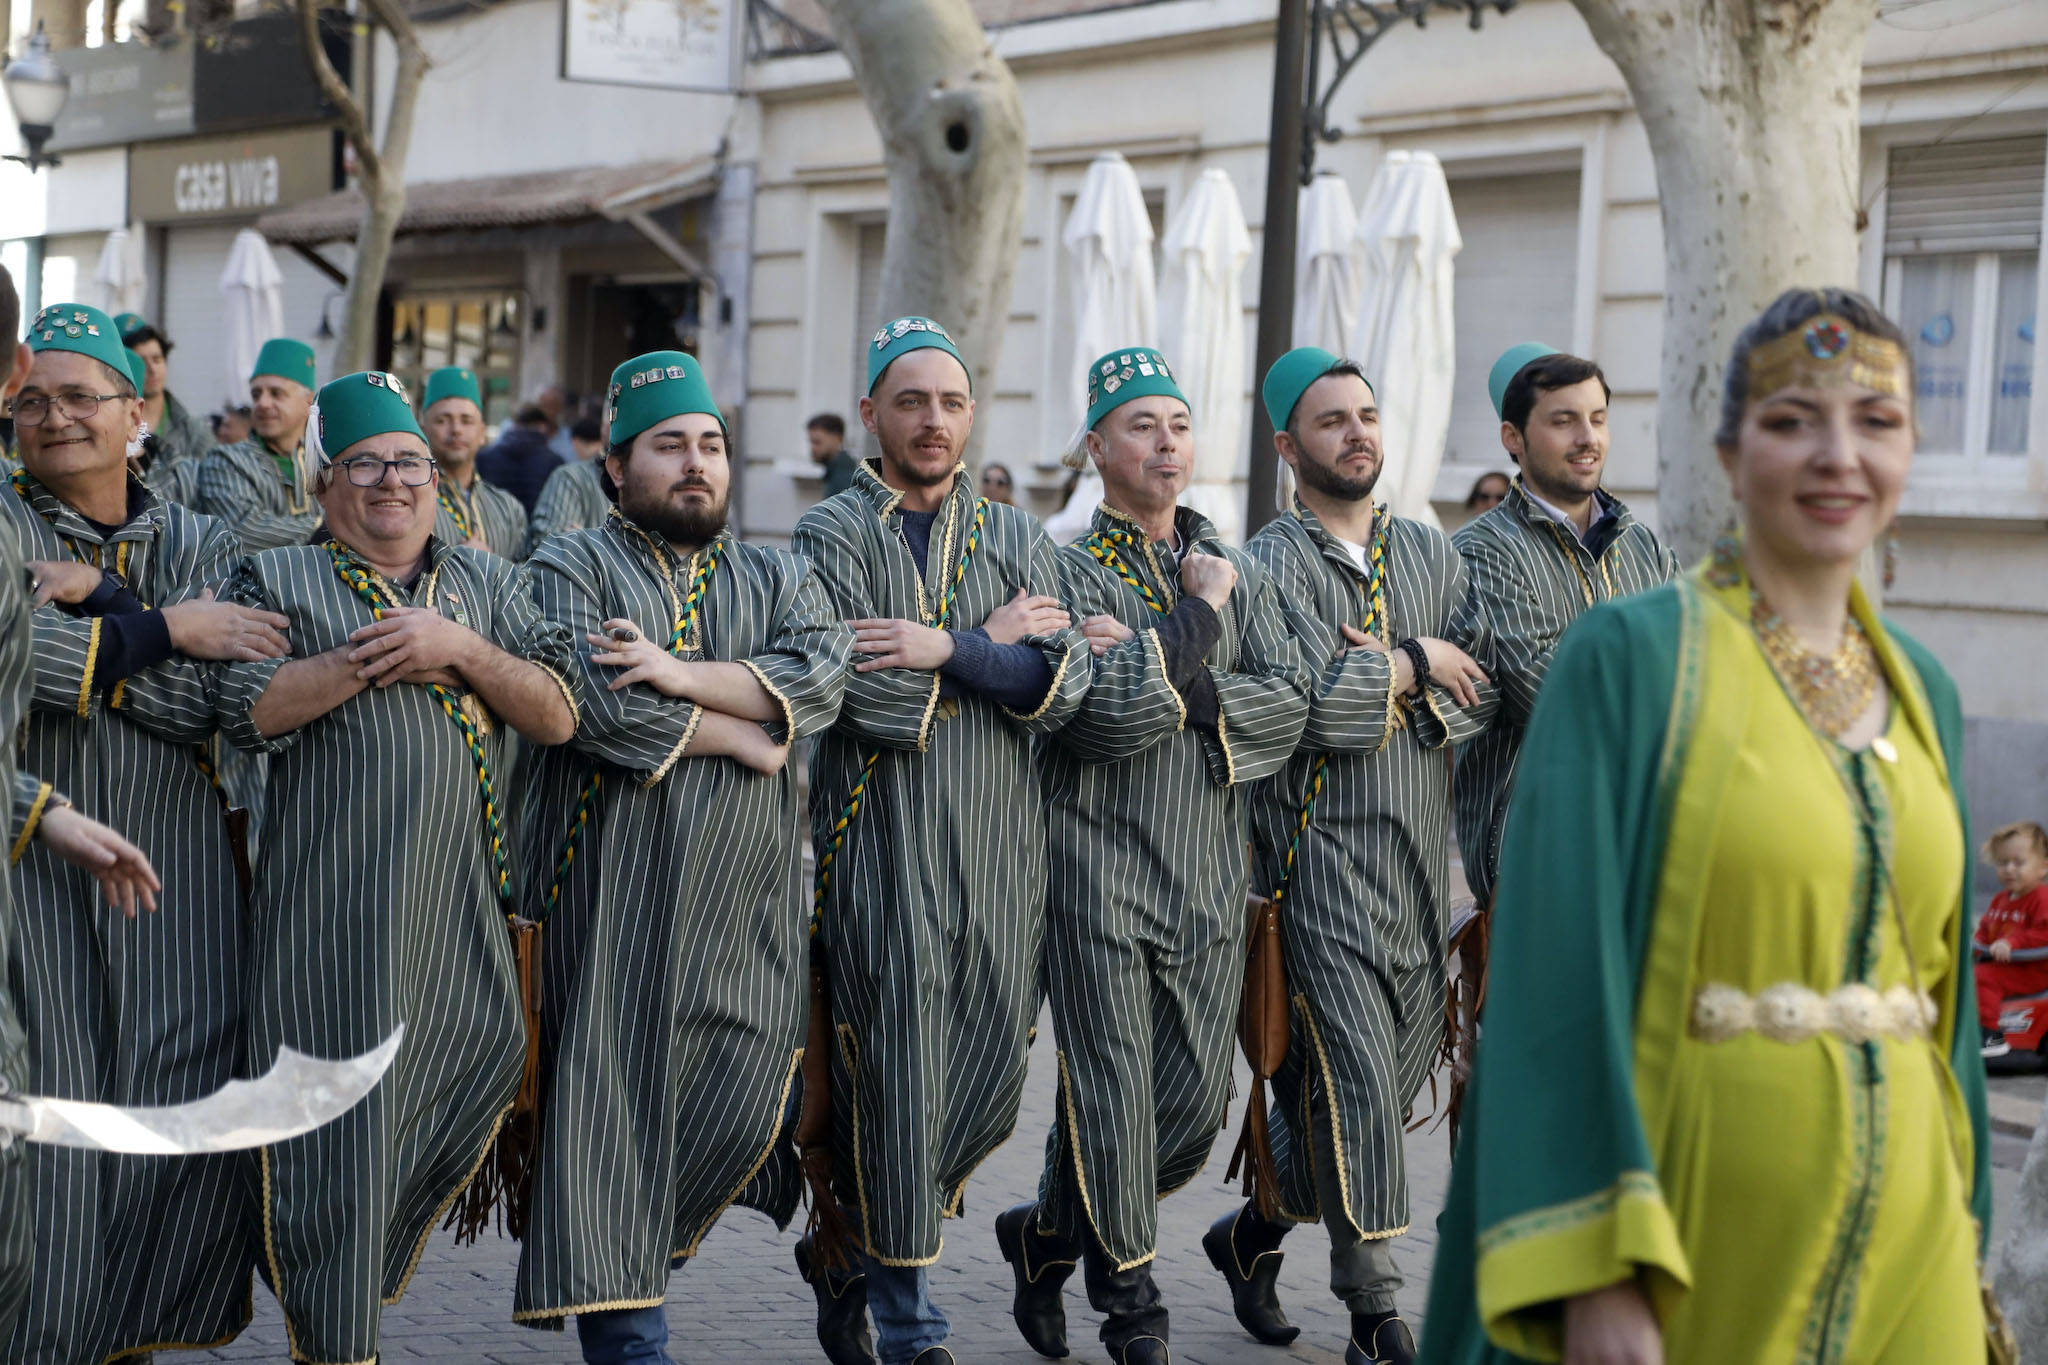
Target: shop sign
(231, 177)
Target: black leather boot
(1246, 1248)
(1134, 1319)
(1041, 1263)
(842, 1309)
(1379, 1339)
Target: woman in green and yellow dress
(1725, 1110)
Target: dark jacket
(519, 462)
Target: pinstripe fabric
(933, 918)
(130, 1251)
(242, 485)
(501, 516)
(182, 437)
(1362, 920)
(673, 1010)
(376, 904)
(1145, 920)
(1528, 579)
(175, 480)
(571, 500)
(29, 794)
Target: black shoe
(1142, 1351)
(1995, 1044)
(842, 1310)
(933, 1355)
(1133, 1318)
(1245, 1247)
(1379, 1339)
(1041, 1264)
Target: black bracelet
(1419, 657)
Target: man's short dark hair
(1541, 376)
(147, 332)
(10, 314)
(586, 429)
(530, 416)
(829, 422)
(1343, 367)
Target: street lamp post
(37, 88)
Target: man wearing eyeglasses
(384, 878)
(474, 511)
(261, 486)
(129, 1254)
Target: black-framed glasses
(72, 407)
(367, 471)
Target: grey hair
(1789, 311)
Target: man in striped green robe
(132, 1252)
(573, 498)
(1557, 544)
(383, 882)
(666, 861)
(182, 439)
(262, 487)
(1198, 691)
(932, 882)
(473, 511)
(1352, 841)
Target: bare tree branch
(355, 122)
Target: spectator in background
(231, 427)
(996, 483)
(586, 438)
(828, 450)
(1487, 492)
(521, 459)
(554, 401)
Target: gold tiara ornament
(1826, 352)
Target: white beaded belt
(1792, 1013)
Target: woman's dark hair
(1472, 498)
(1787, 313)
(1540, 376)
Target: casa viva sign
(231, 177)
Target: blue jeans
(900, 1306)
(624, 1336)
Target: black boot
(1134, 1320)
(842, 1309)
(1246, 1248)
(1041, 1263)
(1379, 1339)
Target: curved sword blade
(297, 1095)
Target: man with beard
(1556, 545)
(666, 860)
(929, 831)
(382, 884)
(261, 488)
(131, 1252)
(1351, 839)
(182, 439)
(474, 512)
(1199, 690)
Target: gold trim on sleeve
(92, 658)
(788, 711)
(1159, 652)
(28, 826)
(689, 733)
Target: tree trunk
(2023, 1268)
(1751, 108)
(952, 126)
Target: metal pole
(1276, 256)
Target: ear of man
(18, 374)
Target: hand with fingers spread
(1209, 577)
(625, 645)
(891, 642)
(1025, 615)
(1104, 633)
(411, 644)
(62, 580)
(202, 628)
(126, 878)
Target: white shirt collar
(1564, 518)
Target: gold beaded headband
(1828, 350)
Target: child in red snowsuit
(2017, 920)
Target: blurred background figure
(521, 459)
(828, 451)
(586, 438)
(996, 483)
(231, 427)
(1487, 491)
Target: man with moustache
(1351, 840)
(474, 511)
(1198, 691)
(929, 831)
(665, 859)
(1556, 545)
(261, 487)
(384, 881)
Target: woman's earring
(1724, 565)
(1891, 555)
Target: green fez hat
(1512, 362)
(137, 368)
(82, 328)
(452, 381)
(653, 388)
(132, 324)
(1290, 377)
(356, 407)
(1120, 376)
(285, 359)
(904, 336)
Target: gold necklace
(1832, 691)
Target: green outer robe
(1363, 918)
(1552, 1126)
(144, 1011)
(934, 922)
(182, 442)
(30, 797)
(503, 518)
(571, 500)
(1529, 579)
(675, 963)
(376, 904)
(243, 486)
(1145, 923)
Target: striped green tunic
(131, 1252)
(376, 904)
(30, 798)
(174, 480)
(1362, 901)
(182, 442)
(571, 500)
(1528, 579)
(484, 507)
(674, 953)
(933, 920)
(1146, 917)
(243, 485)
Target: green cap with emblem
(285, 358)
(653, 388)
(82, 328)
(354, 408)
(903, 336)
(1512, 362)
(1134, 372)
(1290, 378)
(453, 381)
(138, 370)
(129, 324)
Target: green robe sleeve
(1065, 653)
(890, 707)
(31, 798)
(1496, 625)
(1129, 705)
(174, 699)
(240, 684)
(1351, 691)
(1438, 718)
(67, 651)
(805, 665)
(228, 490)
(1262, 698)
